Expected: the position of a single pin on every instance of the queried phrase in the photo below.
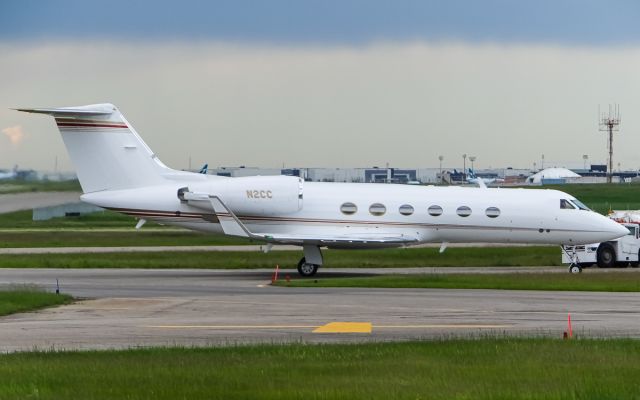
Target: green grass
(609, 282)
(420, 257)
(106, 239)
(106, 219)
(19, 186)
(447, 369)
(27, 298)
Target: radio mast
(610, 123)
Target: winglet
(231, 225)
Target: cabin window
(406, 209)
(348, 208)
(377, 209)
(434, 211)
(566, 205)
(492, 212)
(463, 211)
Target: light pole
(585, 157)
(440, 158)
(534, 166)
(542, 165)
(464, 167)
(472, 159)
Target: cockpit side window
(566, 205)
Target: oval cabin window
(463, 211)
(348, 208)
(434, 211)
(377, 209)
(406, 209)
(492, 212)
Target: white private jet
(119, 172)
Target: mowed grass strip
(26, 298)
(594, 282)
(110, 239)
(20, 186)
(105, 219)
(389, 258)
(448, 369)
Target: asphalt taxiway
(130, 308)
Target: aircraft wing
(231, 225)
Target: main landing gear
(308, 265)
(306, 269)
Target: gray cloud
(402, 103)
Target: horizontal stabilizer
(94, 109)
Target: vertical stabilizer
(106, 151)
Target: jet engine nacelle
(260, 195)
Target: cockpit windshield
(580, 205)
(566, 205)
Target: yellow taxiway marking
(344, 327)
(334, 327)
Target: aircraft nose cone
(619, 229)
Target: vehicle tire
(305, 269)
(575, 269)
(606, 256)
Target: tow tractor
(614, 253)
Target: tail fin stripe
(96, 125)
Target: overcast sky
(328, 83)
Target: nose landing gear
(575, 269)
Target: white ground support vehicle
(613, 253)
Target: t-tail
(106, 151)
